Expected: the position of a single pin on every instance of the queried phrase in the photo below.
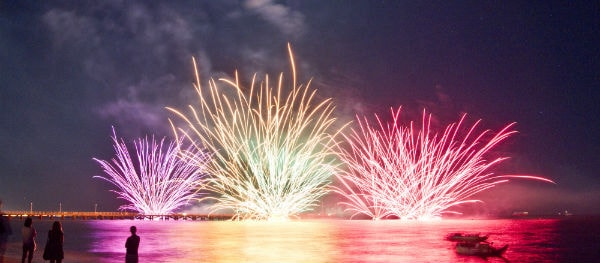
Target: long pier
(79, 215)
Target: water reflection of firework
(396, 171)
(160, 181)
(273, 154)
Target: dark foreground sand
(14, 252)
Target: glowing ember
(160, 181)
(396, 171)
(273, 154)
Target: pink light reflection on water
(539, 240)
(225, 241)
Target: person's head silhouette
(133, 229)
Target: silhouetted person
(29, 234)
(54, 248)
(132, 244)
(5, 231)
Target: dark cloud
(141, 53)
(290, 22)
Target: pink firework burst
(162, 178)
(399, 171)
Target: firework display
(273, 149)
(408, 173)
(158, 179)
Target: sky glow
(73, 69)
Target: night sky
(70, 70)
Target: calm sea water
(572, 239)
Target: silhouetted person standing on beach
(132, 244)
(54, 248)
(29, 234)
(5, 231)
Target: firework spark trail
(160, 181)
(396, 171)
(273, 154)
